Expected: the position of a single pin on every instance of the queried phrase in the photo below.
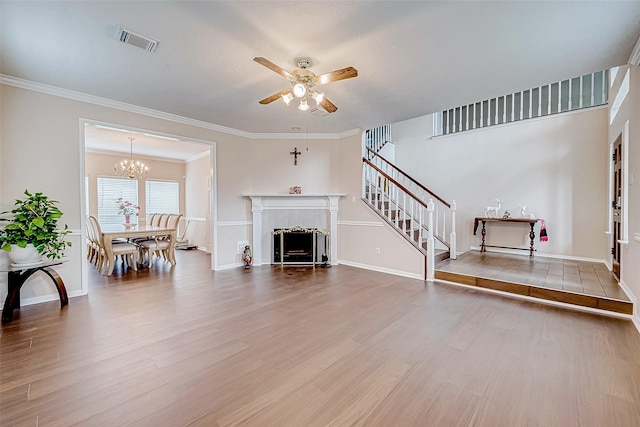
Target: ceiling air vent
(318, 111)
(135, 39)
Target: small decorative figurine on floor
(247, 256)
(507, 214)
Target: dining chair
(159, 245)
(127, 251)
(92, 249)
(151, 218)
(164, 219)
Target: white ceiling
(107, 139)
(413, 57)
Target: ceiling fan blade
(328, 105)
(273, 67)
(334, 76)
(274, 97)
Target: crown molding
(91, 99)
(305, 136)
(634, 59)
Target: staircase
(422, 217)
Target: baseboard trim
(382, 270)
(49, 297)
(229, 266)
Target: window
(109, 191)
(162, 197)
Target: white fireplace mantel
(261, 205)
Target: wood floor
(295, 346)
(582, 283)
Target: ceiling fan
(303, 81)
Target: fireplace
(300, 245)
(286, 211)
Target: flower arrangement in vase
(127, 209)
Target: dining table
(136, 231)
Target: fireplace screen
(300, 245)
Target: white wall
(630, 112)
(198, 207)
(556, 166)
(362, 231)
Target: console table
(19, 275)
(484, 220)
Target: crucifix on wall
(295, 154)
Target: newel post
(452, 241)
(431, 259)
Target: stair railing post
(452, 242)
(431, 260)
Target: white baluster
(521, 105)
(363, 188)
(397, 202)
(404, 212)
(468, 117)
(570, 103)
(481, 114)
(412, 204)
(444, 222)
(420, 223)
(604, 85)
(559, 97)
(452, 241)
(431, 260)
(436, 230)
(580, 98)
(504, 109)
(474, 115)
(539, 101)
(391, 190)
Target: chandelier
(130, 167)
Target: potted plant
(34, 221)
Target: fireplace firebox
(300, 245)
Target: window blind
(109, 190)
(162, 197)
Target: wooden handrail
(440, 199)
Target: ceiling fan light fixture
(303, 105)
(287, 97)
(299, 90)
(318, 97)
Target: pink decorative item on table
(128, 209)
